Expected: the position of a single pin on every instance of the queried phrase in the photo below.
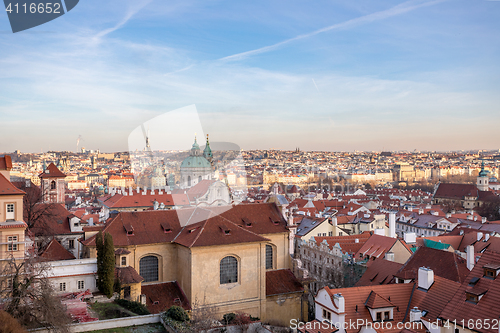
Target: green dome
(195, 162)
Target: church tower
(53, 185)
(482, 179)
(207, 153)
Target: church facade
(237, 260)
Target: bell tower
(482, 179)
(53, 185)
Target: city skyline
(342, 76)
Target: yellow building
(12, 226)
(221, 259)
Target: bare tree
(27, 294)
(35, 211)
(203, 316)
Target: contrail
(402, 8)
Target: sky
(319, 75)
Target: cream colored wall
(401, 253)
(4, 233)
(15, 199)
(284, 308)
(282, 256)
(245, 295)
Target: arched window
(53, 185)
(189, 180)
(148, 268)
(269, 257)
(228, 270)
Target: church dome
(195, 159)
(195, 162)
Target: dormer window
(491, 270)
(129, 229)
(471, 298)
(166, 227)
(225, 230)
(246, 222)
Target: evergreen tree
(99, 244)
(108, 277)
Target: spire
(483, 173)
(207, 152)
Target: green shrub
(177, 313)
(228, 318)
(135, 307)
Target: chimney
(410, 237)
(479, 235)
(334, 221)
(448, 215)
(475, 218)
(470, 257)
(420, 211)
(138, 190)
(484, 220)
(415, 314)
(91, 221)
(392, 225)
(389, 256)
(469, 217)
(425, 278)
(339, 302)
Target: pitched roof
(5, 162)
(55, 251)
(348, 244)
(7, 188)
(487, 307)
(435, 298)
(127, 275)
(376, 301)
(144, 200)
(161, 296)
(53, 220)
(282, 281)
(444, 264)
(217, 226)
(381, 271)
(216, 230)
(376, 246)
(355, 298)
(52, 172)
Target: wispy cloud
(130, 13)
(402, 8)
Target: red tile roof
(445, 264)
(53, 221)
(162, 226)
(7, 188)
(5, 162)
(282, 281)
(146, 200)
(356, 297)
(376, 246)
(128, 275)
(348, 244)
(161, 296)
(488, 306)
(52, 172)
(55, 251)
(381, 271)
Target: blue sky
(320, 75)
